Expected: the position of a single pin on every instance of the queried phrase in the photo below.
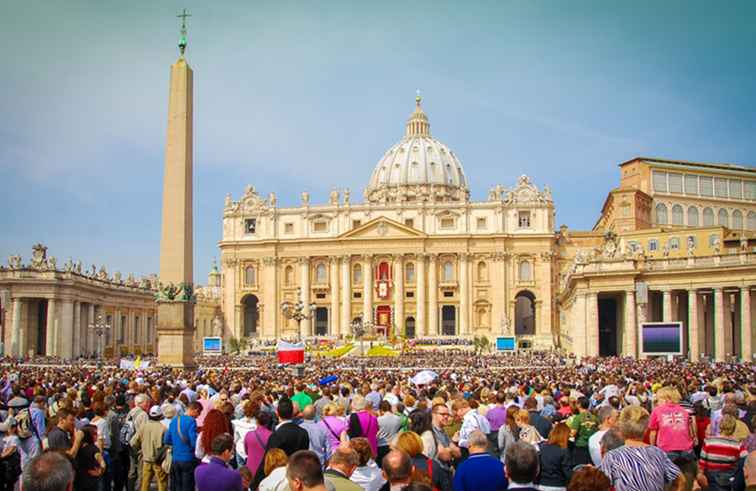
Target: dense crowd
(511, 421)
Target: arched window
(677, 215)
(289, 276)
(723, 218)
(409, 273)
(525, 271)
(482, 271)
(321, 274)
(737, 220)
(708, 217)
(250, 276)
(447, 273)
(661, 214)
(357, 274)
(751, 220)
(525, 321)
(692, 216)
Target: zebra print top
(639, 468)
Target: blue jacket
(183, 448)
(480, 472)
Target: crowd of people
(494, 422)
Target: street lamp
(99, 328)
(361, 327)
(297, 311)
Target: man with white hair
(480, 471)
(136, 418)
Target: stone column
(17, 335)
(399, 295)
(631, 329)
(333, 319)
(50, 328)
(592, 323)
(270, 302)
(464, 304)
(579, 333)
(91, 343)
(719, 325)
(694, 352)
(433, 295)
(65, 348)
(367, 288)
(667, 305)
(421, 329)
(304, 271)
(75, 348)
(642, 317)
(346, 296)
(745, 324)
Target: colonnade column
(745, 324)
(694, 352)
(641, 317)
(50, 328)
(464, 308)
(333, 329)
(719, 324)
(630, 335)
(65, 348)
(75, 348)
(421, 329)
(667, 305)
(346, 296)
(17, 336)
(304, 270)
(90, 343)
(433, 295)
(367, 288)
(270, 303)
(592, 324)
(399, 295)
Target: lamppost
(99, 328)
(298, 311)
(361, 327)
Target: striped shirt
(638, 468)
(720, 454)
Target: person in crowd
(136, 418)
(673, 430)
(11, 461)
(215, 475)
(334, 423)
(304, 472)
(583, 425)
(362, 422)
(342, 464)
(50, 471)
(301, 398)
(255, 441)
(480, 471)
(540, 423)
(243, 425)
(389, 425)
(420, 423)
(555, 460)
(496, 417)
(203, 397)
(719, 456)
(425, 468)
(397, 470)
(527, 432)
(509, 432)
(90, 463)
(275, 470)
(440, 447)
(749, 472)
(521, 466)
(181, 436)
(637, 465)
(589, 479)
(119, 452)
(607, 416)
(471, 421)
(60, 436)
(319, 442)
(148, 440)
(367, 474)
(215, 424)
(609, 441)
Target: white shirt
(594, 447)
(472, 421)
(368, 477)
(274, 479)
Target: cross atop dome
(417, 124)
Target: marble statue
(346, 196)
(334, 198)
(272, 199)
(305, 198)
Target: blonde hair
(522, 417)
(633, 422)
(274, 459)
(331, 409)
(409, 442)
(727, 425)
(668, 393)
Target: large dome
(418, 168)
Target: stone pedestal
(175, 332)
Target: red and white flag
(290, 352)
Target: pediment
(381, 228)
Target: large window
(289, 276)
(750, 190)
(751, 220)
(447, 272)
(723, 218)
(661, 214)
(720, 187)
(691, 184)
(357, 274)
(250, 276)
(660, 181)
(250, 225)
(708, 217)
(482, 271)
(737, 220)
(523, 219)
(736, 188)
(321, 274)
(409, 273)
(675, 183)
(692, 216)
(677, 215)
(525, 271)
(705, 186)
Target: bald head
(397, 467)
(309, 412)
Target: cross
(183, 17)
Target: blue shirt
(216, 476)
(183, 448)
(480, 472)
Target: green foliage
(237, 345)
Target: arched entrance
(409, 327)
(251, 315)
(448, 320)
(525, 320)
(608, 313)
(321, 321)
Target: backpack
(25, 425)
(127, 431)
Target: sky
(294, 96)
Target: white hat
(155, 412)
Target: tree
(237, 345)
(481, 344)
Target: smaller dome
(418, 168)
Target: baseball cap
(155, 412)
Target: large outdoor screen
(212, 345)
(661, 338)
(505, 343)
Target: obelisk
(175, 323)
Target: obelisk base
(175, 334)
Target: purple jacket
(216, 476)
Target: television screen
(663, 338)
(505, 343)
(212, 345)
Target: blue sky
(293, 96)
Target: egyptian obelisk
(175, 325)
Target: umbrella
(424, 377)
(328, 380)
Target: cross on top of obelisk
(182, 40)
